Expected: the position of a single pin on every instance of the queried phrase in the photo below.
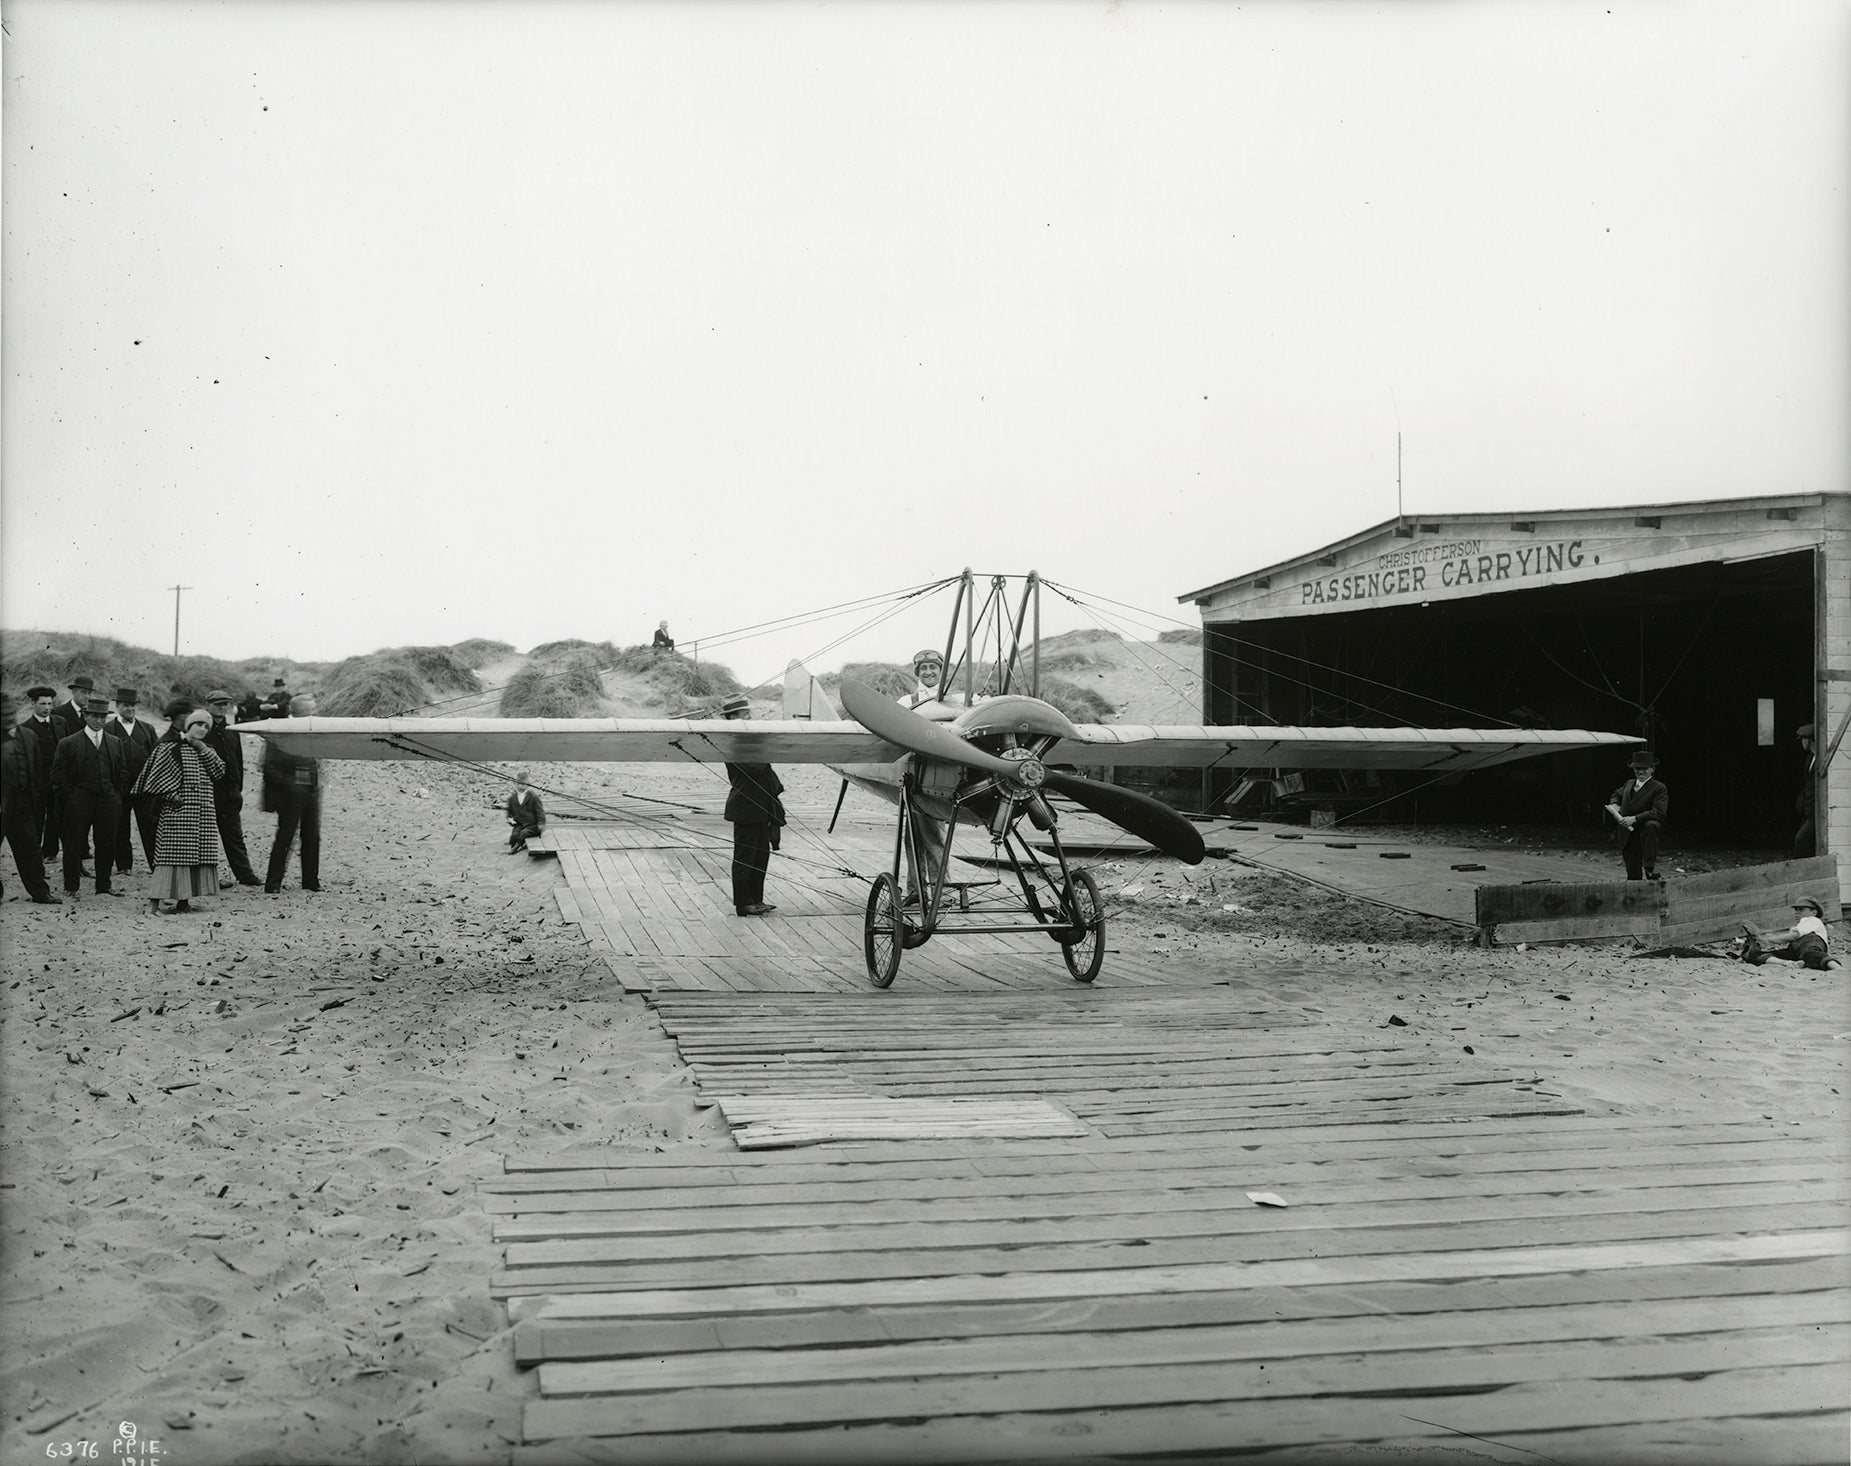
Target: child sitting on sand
(1808, 941)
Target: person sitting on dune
(526, 815)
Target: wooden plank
(1411, 1371)
(1110, 1282)
(1733, 1294)
(1565, 901)
(1006, 1353)
(1576, 929)
(1235, 1215)
(1627, 1410)
(1508, 1191)
(1818, 870)
(1253, 1247)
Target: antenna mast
(1397, 475)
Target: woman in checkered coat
(180, 773)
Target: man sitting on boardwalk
(526, 815)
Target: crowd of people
(82, 783)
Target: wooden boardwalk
(1467, 1264)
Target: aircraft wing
(799, 741)
(578, 740)
(1438, 750)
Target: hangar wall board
(1834, 670)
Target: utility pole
(176, 589)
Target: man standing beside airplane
(756, 813)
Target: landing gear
(883, 932)
(1085, 949)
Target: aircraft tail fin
(804, 698)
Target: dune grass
(477, 652)
(565, 684)
(393, 681)
(55, 657)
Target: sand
(240, 1146)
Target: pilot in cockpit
(929, 698)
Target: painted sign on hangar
(1425, 562)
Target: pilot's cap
(735, 706)
(928, 657)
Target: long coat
(182, 776)
(1649, 802)
(753, 799)
(45, 737)
(230, 749)
(96, 768)
(288, 777)
(23, 781)
(137, 743)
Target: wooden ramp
(1574, 1289)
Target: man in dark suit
(292, 792)
(756, 814)
(91, 771)
(67, 718)
(1639, 807)
(250, 709)
(137, 740)
(42, 729)
(228, 792)
(24, 777)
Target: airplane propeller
(1137, 814)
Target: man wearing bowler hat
(137, 740)
(90, 770)
(228, 791)
(23, 781)
(1808, 941)
(1638, 806)
(68, 718)
(756, 812)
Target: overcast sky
(380, 323)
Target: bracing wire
(726, 638)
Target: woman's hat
(1642, 759)
(736, 704)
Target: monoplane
(991, 757)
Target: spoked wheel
(883, 933)
(1085, 952)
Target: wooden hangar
(1715, 630)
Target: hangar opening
(1714, 631)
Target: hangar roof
(1423, 558)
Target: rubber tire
(1084, 955)
(883, 931)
